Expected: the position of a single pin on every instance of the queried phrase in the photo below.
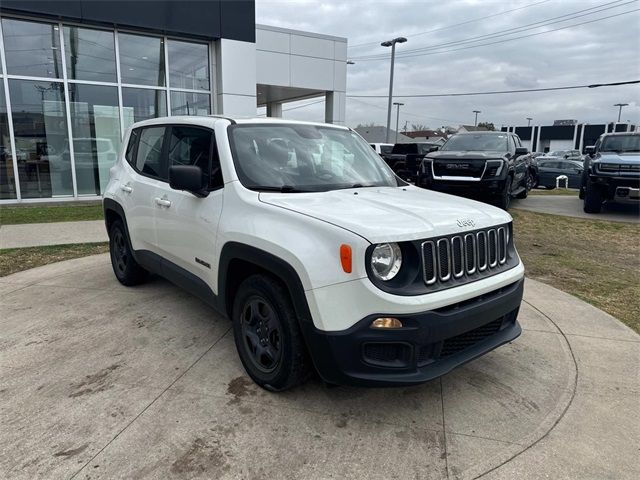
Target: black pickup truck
(489, 166)
(405, 158)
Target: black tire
(504, 200)
(267, 334)
(127, 270)
(583, 184)
(592, 199)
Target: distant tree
(416, 127)
(487, 125)
(367, 125)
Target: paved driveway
(571, 206)
(102, 381)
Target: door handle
(163, 202)
(126, 188)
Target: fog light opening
(386, 322)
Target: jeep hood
(620, 158)
(390, 214)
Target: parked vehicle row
(319, 254)
(405, 158)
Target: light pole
(392, 44)
(529, 121)
(620, 105)
(397, 118)
(476, 121)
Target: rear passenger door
(187, 225)
(138, 188)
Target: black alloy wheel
(262, 334)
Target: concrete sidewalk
(103, 381)
(60, 233)
(571, 206)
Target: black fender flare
(266, 261)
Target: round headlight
(386, 260)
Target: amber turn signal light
(386, 322)
(345, 257)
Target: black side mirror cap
(590, 149)
(188, 178)
(433, 149)
(521, 151)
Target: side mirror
(521, 151)
(433, 149)
(188, 178)
(590, 149)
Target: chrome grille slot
(470, 253)
(457, 256)
(429, 262)
(482, 251)
(492, 243)
(444, 259)
(502, 245)
(457, 259)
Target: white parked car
(321, 257)
(382, 148)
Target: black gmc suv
(489, 166)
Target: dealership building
(565, 134)
(75, 75)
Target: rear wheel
(592, 199)
(267, 334)
(127, 270)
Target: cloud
(598, 52)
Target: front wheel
(504, 200)
(127, 270)
(592, 199)
(267, 334)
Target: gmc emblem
(457, 166)
(465, 222)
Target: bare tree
(367, 125)
(416, 127)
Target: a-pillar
(274, 109)
(334, 107)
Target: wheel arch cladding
(238, 261)
(113, 211)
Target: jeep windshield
(621, 144)
(476, 143)
(305, 158)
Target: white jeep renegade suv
(320, 256)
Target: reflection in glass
(32, 49)
(185, 103)
(40, 129)
(95, 127)
(189, 65)
(141, 60)
(140, 104)
(7, 179)
(89, 54)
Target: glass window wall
(90, 54)
(189, 103)
(7, 176)
(141, 60)
(189, 65)
(31, 48)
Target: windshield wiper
(281, 189)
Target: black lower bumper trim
(429, 345)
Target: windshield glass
(621, 143)
(480, 143)
(305, 158)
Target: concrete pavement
(103, 381)
(39, 234)
(571, 206)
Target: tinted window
(478, 142)
(621, 143)
(192, 146)
(386, 149)
(131, 146)
(149, 156)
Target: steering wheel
(325, 174)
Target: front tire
(504, 200)
(267, 334)
(127, 270)
(592, 199)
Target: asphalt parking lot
(101, 381)
(571, 206)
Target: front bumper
(485, 188)
(618, 188)
(429, 345)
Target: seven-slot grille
(470, 254)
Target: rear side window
(131, 146)
(195, 146)
(149, 155)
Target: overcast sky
(598, 52)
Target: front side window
(149, 156)
(305, 158)
(194, 146)
(477, 143)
